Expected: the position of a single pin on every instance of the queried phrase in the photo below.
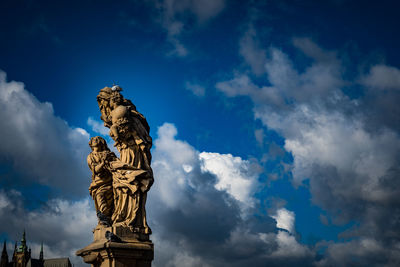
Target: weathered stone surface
(105, 253)
(119, 186)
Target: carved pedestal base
(124, 249)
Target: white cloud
(171, 161)
(285, 219)
(382, 77)
(4, 202)
(236, 176)
(289, 247)
(43, 148)
(327, 138)
(195, 208)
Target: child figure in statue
(101, 189)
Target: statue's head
(104, 93)
(116, 99)
(99, 142)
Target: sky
(275, 126)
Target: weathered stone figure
(101, 190)
(132, 176)
(119, 186)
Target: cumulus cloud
(347, 149)
(41, 147)
(285, 219)
(288, 247)
(175, 16)
(236, 176)
(196, 206)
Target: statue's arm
(90, 163)
(95, 168)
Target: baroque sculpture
(119, 185)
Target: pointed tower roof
(4, 252)
(23, 240)
(41, 252)
(4, 256)
(22, 247)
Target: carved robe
(101, 188)
(131, 186)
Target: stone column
(119, 248)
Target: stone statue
(119, 185)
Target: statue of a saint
(101, 188)
(127, 179)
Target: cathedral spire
(41, 252)
(23, 247)
(4, 256)
(23, 240)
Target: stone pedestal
(124, 249)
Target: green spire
(22, 247)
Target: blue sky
(275, 125)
